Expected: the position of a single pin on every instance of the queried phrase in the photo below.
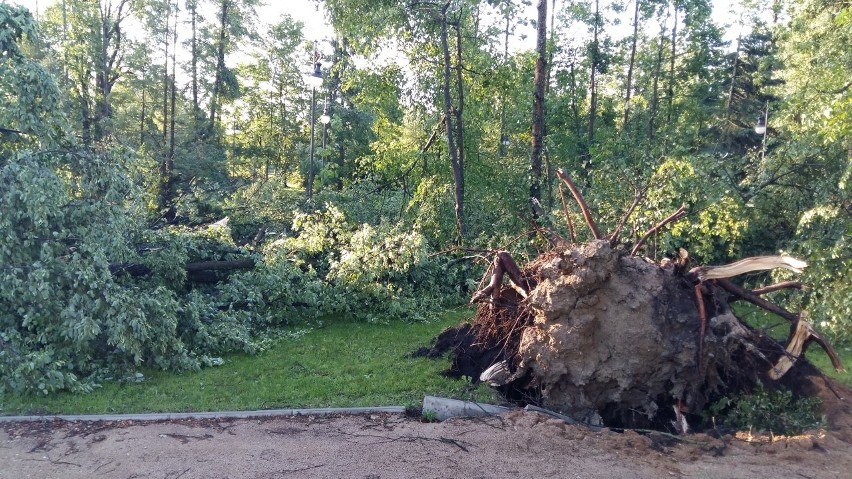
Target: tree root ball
(611, 330)
(617, 340)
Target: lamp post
(761, 127)
(314, 80)
(504, 143)
(325, 120)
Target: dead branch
(567, 215)
(613, 239)
(756, 300)
(503, 264)
(580, 201)
(680, 213)
(563, 417)
(702, 315)
(220, 265)
(801, 335)
(779, 286)
(795, 319)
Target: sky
(303, 10)
(316, 27)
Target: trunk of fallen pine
(199, 271)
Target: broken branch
(680, 213)
(779, 286)
(757, 300)
(580, 201)
(802, 334)
(613, 239)
(702, 315)
(503, 264)
(794, 318)
(567, 214)
(749, 265)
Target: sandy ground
(516, 444)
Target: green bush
(823, 238)
(776, 412)
(331, 267)
(63, 315)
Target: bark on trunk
(593, 87)
(458, 172)
(628, 90)
(538, 107)
(220, 64)
(672, 58)
(655, 95)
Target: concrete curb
(445, 408)
(211, 415)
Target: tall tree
(109, 60)
(540, 85)
(458, 167)
(91, 38)
(628, 88)
(219, 72)
(194, 18)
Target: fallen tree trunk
(199, 271)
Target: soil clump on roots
(608, 338)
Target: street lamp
(761, 127)
(324, 119)
(314, 80)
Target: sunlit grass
(339, 364)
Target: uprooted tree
(607, 337)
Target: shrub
(776, 412)
(823, 238)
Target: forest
(179, 179)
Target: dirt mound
(610, 331)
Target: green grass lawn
(340, 364)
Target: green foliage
(30, 101)
(330, 266)
(68, 217)
(775, 412)
(823, 236)
(62, 313)
(715, 224)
